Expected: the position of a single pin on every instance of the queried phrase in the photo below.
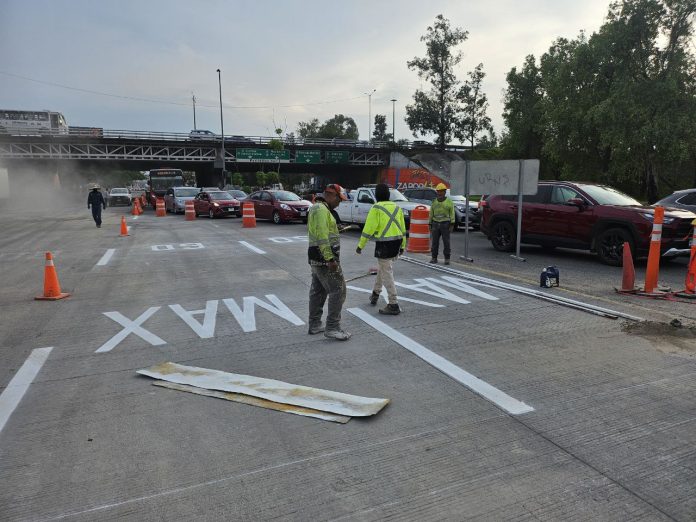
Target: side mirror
(576, 202)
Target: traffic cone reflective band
(419, 232)
(51, 285)
(248, 215)
(628, 281)
(190, 211)
(159, 208)
(653, 267)
(124, 227)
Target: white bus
(32, 123)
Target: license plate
(303, 212)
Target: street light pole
(369, 114)
(222, 130)
(393, 120)
(193, 97)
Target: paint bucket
(550, 276)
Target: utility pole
(222, 131)
(393, 120)
(369, 114)
(193, 97)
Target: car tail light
(482, 204)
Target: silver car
(176, 197)
(685, 199)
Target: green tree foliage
(380, 131)
(473, 119)
(617, 107)
(272, 178)
(237, 179)
(261, 179)
(435, 111)
(339, 126)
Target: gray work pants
(326, 284)
(440, 229)
(385, 276)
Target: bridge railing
(230, 140)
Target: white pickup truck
(360, 202)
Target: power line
(180, 104)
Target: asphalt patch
(671, 337)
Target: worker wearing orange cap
(324, 257)
(442, 221)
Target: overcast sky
(291, 60)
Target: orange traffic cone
(51, 285)
(653, 269)
(124, 228)
(134, 208)
(628, 280)
(690, 282)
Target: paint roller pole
(519, 212)
(467, 171)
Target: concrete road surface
(608, 434)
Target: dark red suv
(584, 216)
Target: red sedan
(216, 204)
(279, 206)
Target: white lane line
(9, 399)
(252, 247)
(401, 298)
(485, 390)
(106, 257)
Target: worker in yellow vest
(442, 221)
(385, 225)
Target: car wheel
(503, 236)
(211, 214)
(276, 217)
(609, 245)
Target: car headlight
(216, 204)
(460, 208)
(406, 212)
(651, 217)
(284, 206)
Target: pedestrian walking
(385, 225)
(442, 221)
(324, 257)
(95, 200)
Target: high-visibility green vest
(442, 211)
(322, 233)
(385, 222)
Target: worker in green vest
(442, 221)
(324, 253)
(385, 225)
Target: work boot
(447, 261)
(316, 329)
(338, 335)
(433, 261)
(390, 309)
(374, 298)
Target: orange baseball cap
(338, 189)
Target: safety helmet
(338, 189)
(441, 186)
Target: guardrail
(238, 141)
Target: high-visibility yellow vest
(385, 222)
(322, 233)
(442, 211)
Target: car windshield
(220, 195)
(239, 194)
(460, 199)
(283, 195)
(163, 183)
(395, 195)
(119, 191)
(187, 192)
(609, 196)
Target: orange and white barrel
(248, 215)
(419, 231)
(189, 210)
(160, 210)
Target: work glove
(333, 266)
(358, 250)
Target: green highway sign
(263, 156)
(336, 156)
(308, 156)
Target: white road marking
(10, 397)
(252, 247)
(405, 299)
(246, 317)
(129, 328)
(485, 390)
(458, 284)
(106, 257)
(429, 288)
(206, 330)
